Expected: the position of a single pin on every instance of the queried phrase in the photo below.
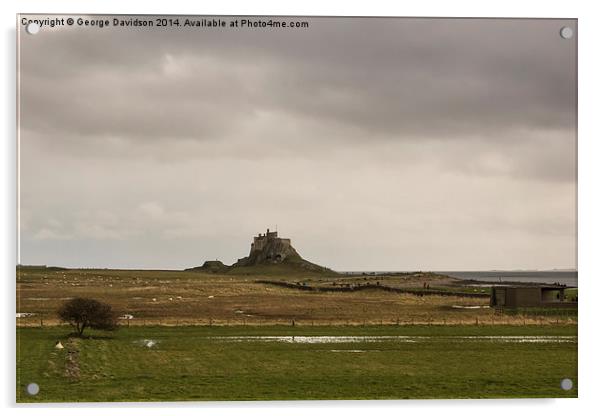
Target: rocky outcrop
(211, 266)
(266, 250)
(269, 249)
(273, 251)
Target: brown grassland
(194, 298)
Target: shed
(529, 296)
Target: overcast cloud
(374, 144)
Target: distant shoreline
(554, 276)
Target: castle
(266, 249)
(262, 240)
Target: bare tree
(85, 313)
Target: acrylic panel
(295, 208)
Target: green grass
(188, 365)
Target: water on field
(325, 339)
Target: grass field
(192, 298)
(198, 363)
(180, 344)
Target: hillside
(210, 266)
(269, 254)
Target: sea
(565, 277)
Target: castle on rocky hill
(269, 249)
(266, 249)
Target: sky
(373, 143)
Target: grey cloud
(385, 77)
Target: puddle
(315, 339)
(398, 338)
(471, 307)
(348, 351)
(25, 314)
(148, 343)
(483, 285)
(524, 338)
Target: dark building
(529, 296)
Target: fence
(354, 288)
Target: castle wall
(259, 243)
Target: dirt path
(72, 359)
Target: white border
(590, 206)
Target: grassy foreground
(187, 363)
